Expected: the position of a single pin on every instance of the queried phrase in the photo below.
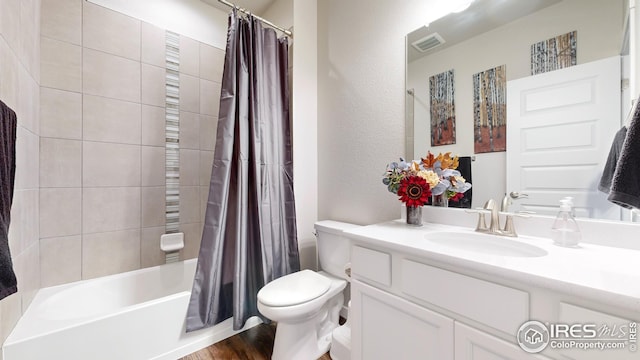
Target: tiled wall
(19, 79)
(102, 158)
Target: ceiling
(257, 7)
(480, 17)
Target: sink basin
(484, 243)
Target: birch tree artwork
(553, 54)
(490, 110)
(443, 117)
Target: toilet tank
(334, 249)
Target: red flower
(414, 191)
(457, 197)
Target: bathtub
(135, 315)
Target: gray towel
(612, 160)
(8, 124)
(625, 188)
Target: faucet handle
(509, 229)
(518, 195)
(481, 226)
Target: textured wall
(361, 77)
(19, 79)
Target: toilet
(306, 304)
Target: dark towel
(464, 166)
(8, 125)
(612, 160)
(625, 188)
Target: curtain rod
(285, 31)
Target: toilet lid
(294, 289)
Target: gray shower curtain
(249, 235)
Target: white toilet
(306, 304)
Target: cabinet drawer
(498, 306)
(372, 265)
(618, 329)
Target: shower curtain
(249, 235)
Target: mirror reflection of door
(561, 125)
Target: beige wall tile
(62, 20)
(192, 239)
(111, 120)
(189, 167)
(153, 206)
(27, 269)
(11, 310)
(206, 161)
(189, 204)
(60, 260)
(211, 62)
(189, 93)
(209, 98)
(110, 209)
(60, 114)
(106, 164)
(110, 253)
(60, 163)
(27, 159)
(153, 166)
(189, 130)
(25, 220)
(153, 85)
(204, 197)
(29, 39)
(151, 254)
(110, 76)
(153, 45)
(153, 125)
(10, 22)
(110, 31)
(28, 101)
(60, 65)
(60, 212)
(189, 56)
(8, 73)
(208, 130)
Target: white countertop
(609, 275)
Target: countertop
(609, 275)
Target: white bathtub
(136, 315)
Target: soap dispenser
(565, 230)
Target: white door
(560, 126)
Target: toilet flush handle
(347, 270)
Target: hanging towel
(625, 187)
(8, 124)
(612, 160)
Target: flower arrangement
(414, 182)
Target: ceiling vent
(428, 42)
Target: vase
(440, 200)
(414, 215)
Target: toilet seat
(294, 289)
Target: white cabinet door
(385, 326)
(472, 344)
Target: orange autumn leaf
(448, 162)
(429, 161)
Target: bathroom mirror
(491, 33)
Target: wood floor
(253, 344)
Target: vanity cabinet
(416, 297)
(405, 309)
